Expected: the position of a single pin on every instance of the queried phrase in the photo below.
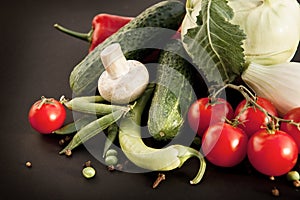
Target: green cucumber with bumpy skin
(173, 93)
(134, 39)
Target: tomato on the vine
(252, 119)
(224, 145)
(46, 115)
(272, 153)
(291, 129)
(206, 111)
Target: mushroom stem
(114, 61)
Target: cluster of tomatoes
(230, 135)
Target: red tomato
(272, 154)
(203, 113)
(224, 145)
(292, 130)
(46, 115)
(252, 119)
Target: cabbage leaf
(215, 44)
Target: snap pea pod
(90, 105)
(92, 129)
(91, 99)
(112, 132)
(164, 159)
(74, 126)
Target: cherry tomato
(292, 130)
(46, 115)
(224, 145)
(204, 112)
(272, 154)
(252, 119)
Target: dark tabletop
(36, 60)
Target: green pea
(293, 176)
(88, 172)
(111, 160)
(112, 132)
(111, 152)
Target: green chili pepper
(165, 159)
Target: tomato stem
(63, 99)
(273, 121)
(44, 100)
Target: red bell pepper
(103, 25)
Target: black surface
(36, 60)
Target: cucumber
(173, 93)
(134, 39)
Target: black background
(36, 60)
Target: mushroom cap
(126, 88)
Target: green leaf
(215, 45)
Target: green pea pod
(73, 126)
(91, 99)
(91, 105)
(92, 129)
(111, 136)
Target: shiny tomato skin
(202, 113)
(272, 154)
(224, 145)
(292, 130)
(46, 117)
(252, 119)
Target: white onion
(272, 27)
(278, 83)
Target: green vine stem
(274, 121)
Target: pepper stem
(188, 152)
(83, 36)
(202, 166)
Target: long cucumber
(173, 94)
(135, 39)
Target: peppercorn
(61, 142)
(275, 192)
(87, 164)
(28, 164)
(296, 183)
(68, 152)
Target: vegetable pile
(214, 46)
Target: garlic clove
(278, 83)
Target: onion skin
(278, 83)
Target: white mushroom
(124, 80)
